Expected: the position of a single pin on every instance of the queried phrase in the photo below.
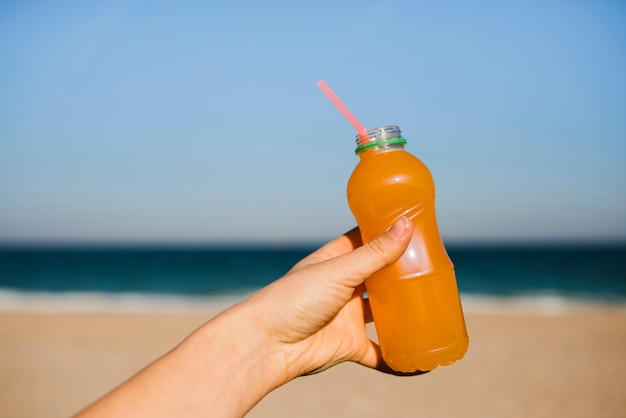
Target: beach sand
(520, 364)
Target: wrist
(236, 358)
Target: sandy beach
(569, 363)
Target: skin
(303, 323)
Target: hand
(315, 315)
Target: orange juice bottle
(415, 302)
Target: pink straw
(344, 111)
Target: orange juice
(415, 302)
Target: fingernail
(399, 227)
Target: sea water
(179, 277)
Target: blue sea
(591, 273)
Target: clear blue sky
(200, 121)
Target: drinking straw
(344, 110)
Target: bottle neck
(385, 147)
(380, 139)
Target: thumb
(356, 266)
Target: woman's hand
(307, 321)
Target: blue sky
(197, 122)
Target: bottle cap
(376, 137)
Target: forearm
(222, 370)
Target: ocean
(591, 273)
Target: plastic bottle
(415, 302)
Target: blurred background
(200, 122)
(168, 157)
(187, 142)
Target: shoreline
(144, 303)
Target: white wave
(88, 302)
(98, 302)
(542, 305)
